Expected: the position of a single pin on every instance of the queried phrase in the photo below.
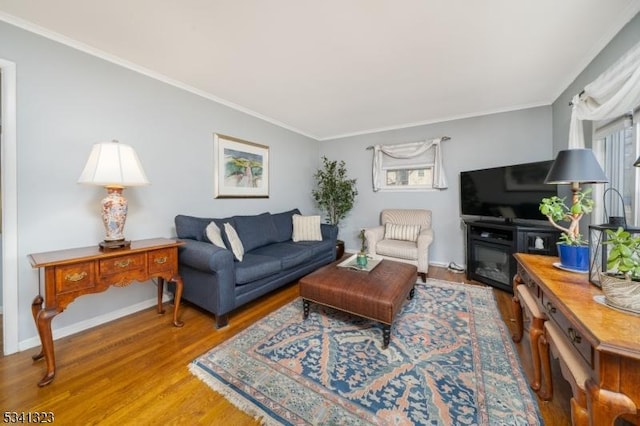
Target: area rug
(450, 362)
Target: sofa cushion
(306, 228)
(194, 228)
(284, 224)
(234, 241)
(254, 267)
(290, 254)
(189, 227)
(255, 231)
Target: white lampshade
(113, 164)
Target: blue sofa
(215, 280)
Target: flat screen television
(509, 192)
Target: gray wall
(67, 101)
(621, 43)
(479, 142)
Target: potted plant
(573, 249)
(335, 194)
(621, 282)
(362, 254)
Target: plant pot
(339, 249)
(621, 293)
(574, 257)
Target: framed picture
(241, 168)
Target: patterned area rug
(450, 362)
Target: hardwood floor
(134, 370)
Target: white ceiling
(328, 68)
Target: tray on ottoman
(377, 295)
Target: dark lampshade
(576, 165)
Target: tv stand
(491, 245)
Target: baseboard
(93, 322)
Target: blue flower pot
(574, 257)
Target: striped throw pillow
(306, 228)
(394, 231)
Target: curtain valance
(423, 152)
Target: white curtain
(614, 93)
(408, 151)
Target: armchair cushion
(396, 248)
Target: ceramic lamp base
(114, 215)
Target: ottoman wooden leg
(305, 304)
(412, 293)
(386, 335)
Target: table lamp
(115, 166)
(576, 166)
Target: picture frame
(241, 168)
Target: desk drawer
(163, 260)
(526, 279)
(120, 264)
(75, 277)
(581, 344)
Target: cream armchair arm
(372, 236)
(425, 238)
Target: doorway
(9, 215)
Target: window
(617, 148)
(410, 177)
(409, 166)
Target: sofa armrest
(372, 236)
(329, 232)
(205, 257)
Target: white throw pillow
(394, 231)
(213, 234)
(306, 228)
(236, 245)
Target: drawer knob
(160, 260)
(551, 308)
(75, 277)
(575, 337)
(122, 263)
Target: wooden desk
(75, 272)
(607, 339)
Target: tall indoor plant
(573, 248)
(335, 193)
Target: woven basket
(621, 293)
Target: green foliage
(335, 194)
(556, 210)
(363, 239)
(624, 255)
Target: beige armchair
(404, 235)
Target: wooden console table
(608, 340)
(74, 272)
